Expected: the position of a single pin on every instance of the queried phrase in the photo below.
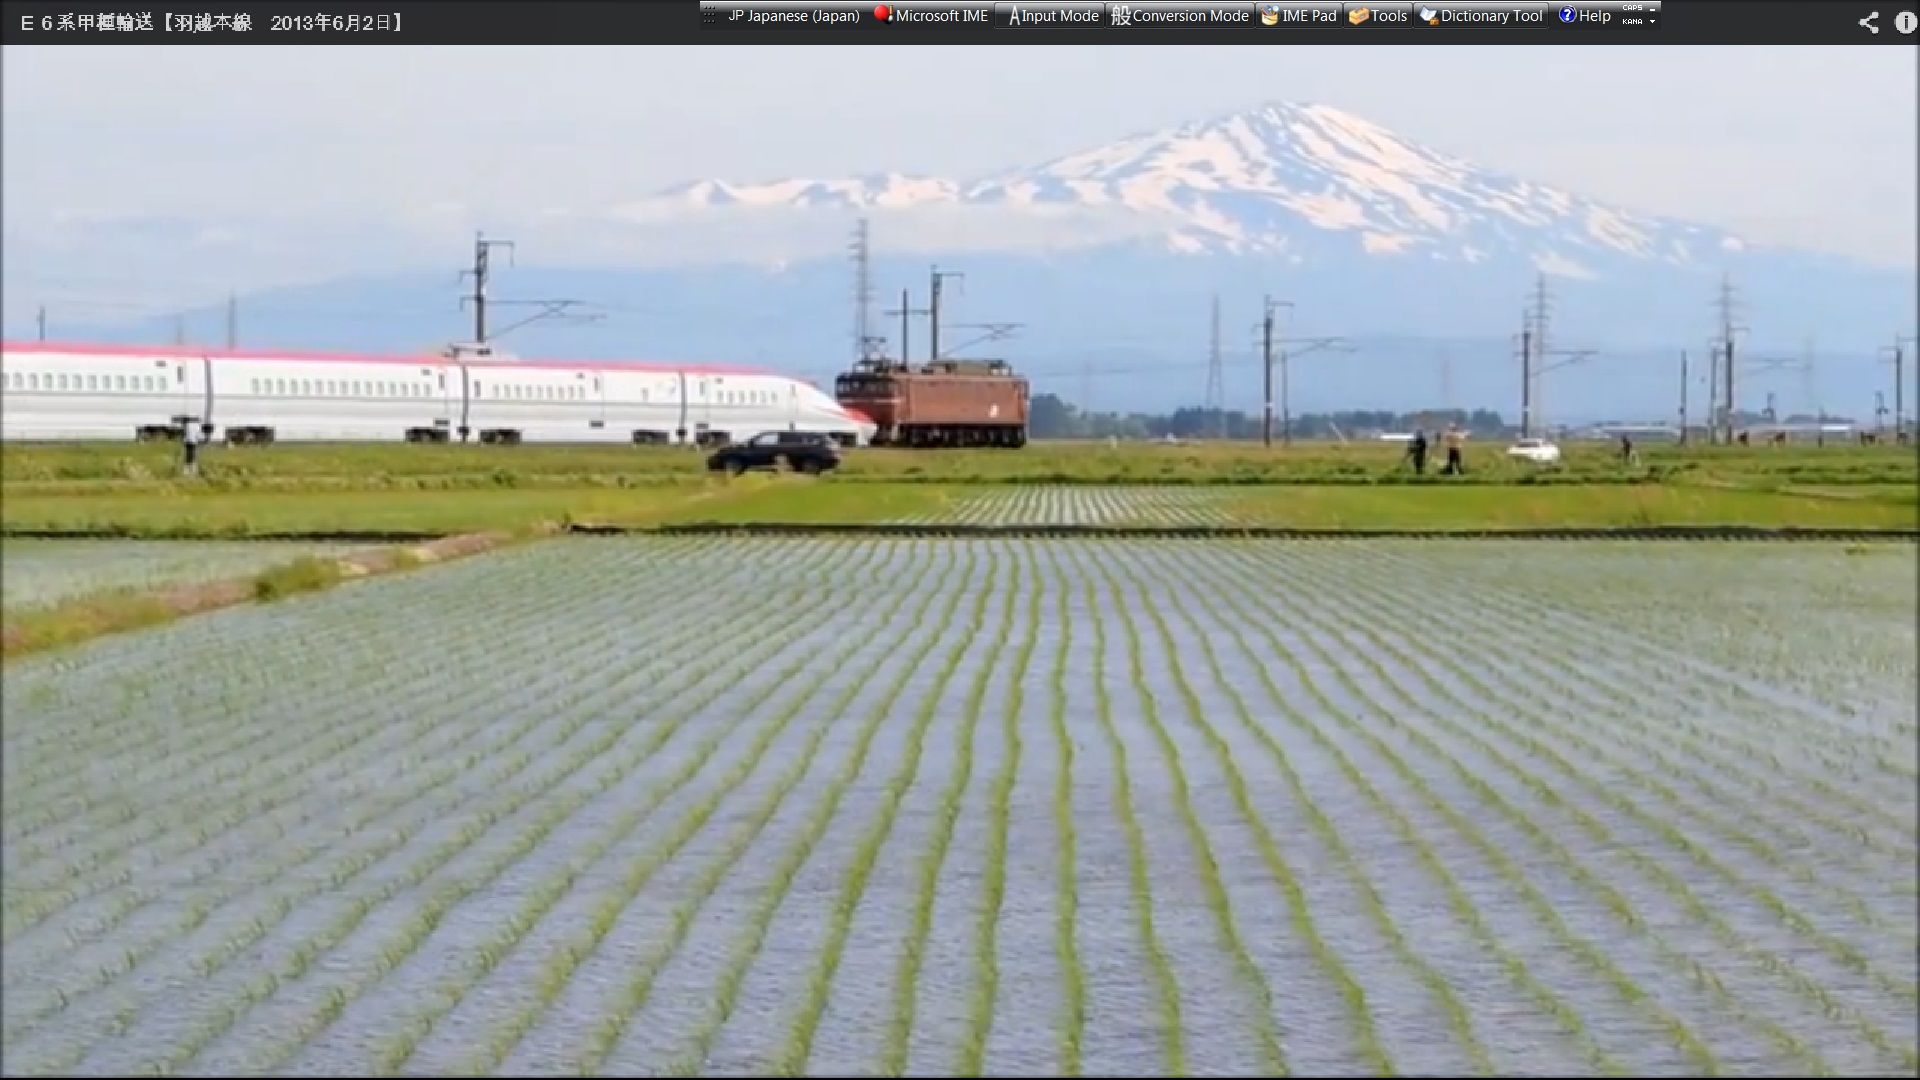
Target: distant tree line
(1051, 417)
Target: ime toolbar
(1154, 14)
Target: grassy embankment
(70, 620)
(131, 491)
(71, 469)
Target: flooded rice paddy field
(1108, 505)
(920, 807)
(34, 573)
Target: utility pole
(482, 275)
(1526, 376)
(939, 277)
(233, 322)
(40, 324)
(1216, 405)
(1268, 307)
(906, 311)
(1683, 397)
(864, 340)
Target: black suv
(801, 451)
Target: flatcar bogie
(249, 436)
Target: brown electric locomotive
(942, 403)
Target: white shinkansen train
(61, 393)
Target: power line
(482, 275)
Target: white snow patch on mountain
(1268, 180)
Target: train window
(119, 382)
(33, 382)
(256, 386)
(63, 381)
(93, 382)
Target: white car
(1538, 451)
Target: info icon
(1567, 14)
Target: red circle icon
(882, 12)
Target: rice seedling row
(354, 736)
(34, 573)
(1068, 505)
(208, 963)
(1492, 720)
(902, 807)
(1586, 699)
(607, 767)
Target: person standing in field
(1456, 441)
(1417, 452)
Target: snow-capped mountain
(1281, 179)
(1110, 261)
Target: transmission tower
(1216, 404)
(1896, 354)
(1726, 361)
(1533, 352)
(866, 343)
(1535, 348)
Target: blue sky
(133, 174)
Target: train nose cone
(857, 416)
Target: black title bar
(605, 22)
(1571, 16)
